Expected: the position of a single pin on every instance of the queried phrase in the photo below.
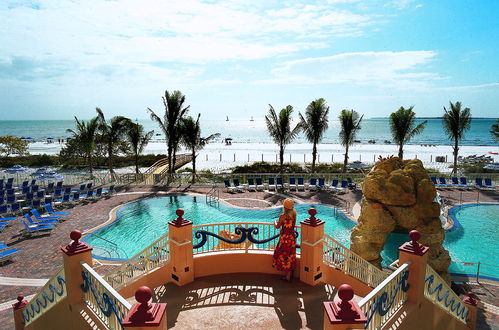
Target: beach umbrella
(50, 138)
(16, 169)
(40, 171)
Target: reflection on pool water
(139, 223)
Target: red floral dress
(285, 252)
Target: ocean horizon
(255, 131)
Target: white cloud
(385, 69)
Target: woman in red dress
(285, 251)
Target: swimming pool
(139, 223)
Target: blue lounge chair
(110, 191)
(36, 229)
(48, 200)
(59, 184)
(464, 183)
(279, 184)
(333, 185)
(10, 180)
(251, 184)
(67, 190)
(5, 255)
(292, 183)
(478, 183)
(44, 217)
(15, 208)
(89, 194)
(300, 186)
(89, 185)
(50, 210)
(321, 184)
(8, 186)
(34, 188)
(238, 186)
(82, 187)
(488, 183)
(259, 184)
(313, 184)
(228, 186)
(343, 187)
(76, 198)
(57, 193)
(40, 194)
(98, 193)
(43, 223)
(25, 190)
(36, 203)
(271, 185)
(50, 187)
(11, 199)
(33, 182)
(4, 211)
(351, 185)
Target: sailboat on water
(252, 119)
(227, 118)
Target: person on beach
(285, 252)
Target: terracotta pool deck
(40, 257)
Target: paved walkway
(17, 281)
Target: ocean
(247, 131)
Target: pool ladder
(213, 196)
(116, 250)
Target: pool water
(140, 223)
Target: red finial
(143, 294)
(76, 246)
(312, 220)
(346, 312)
(180, 221)
(413, 246)
(21, 303)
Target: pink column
(73, 254)
(345, 314)
(145, 315)
(471, 303)
(417, 254)
(182, 261)
(312, 235)
(18, 309)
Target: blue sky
(59, 59)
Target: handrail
(37, 307)
(341, 257)
(236, 236)
(378, 306)
(107, 304)
(153, 256)
(449, 301)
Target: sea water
(248, 131)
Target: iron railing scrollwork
(381, 303)
(449, 301)
(104, 301)
(243, 233)
(43, 301)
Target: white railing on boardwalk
(228, 231)
(381, 303)
(51, 293)
(153, 256)
(339, 256)
(107, 304)
(440, 293)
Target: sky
(60, 59)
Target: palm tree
(403, 127)
(456, 122)
(112, 133)
(86, 135)
(138, 140)
(315, 123)
(279, 127)
(495, 130)
(192, 140)
(170, 124)
(350, 125)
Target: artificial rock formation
(399, 195)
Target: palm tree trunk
(90, 164)
(137, 163)
(281, 155)
(169, 159)
(314, 156)
(174, 160)
(110, 160)
(401, 151)
(193, 166)
(456, 149)
(345, 161)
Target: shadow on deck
(242, 301)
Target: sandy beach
(219, 156)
